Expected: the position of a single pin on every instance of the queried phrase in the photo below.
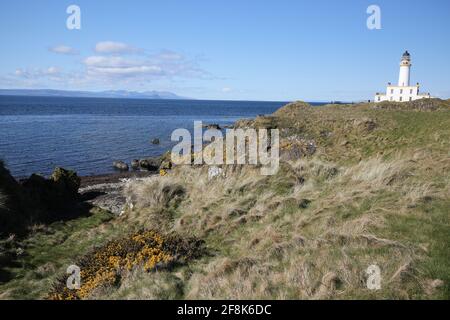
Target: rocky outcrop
(54, 195)
(156, 141)
(120, 165)
(294, 148)
(150, 164)
(14, 204)
(66, 181)
(135, 164)
(36, 199)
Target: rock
(294, 148)
(66, 180)
(365, 124)
(56, 196)
(166, 165)
(14, 204)
(150, 164)
(166, 161)
(110, 196)
(120, 165)
(304, 203)
(135, 164)
(156, 141)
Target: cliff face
(36, 199)
(12, 207)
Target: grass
(48, 251)
(376, 191)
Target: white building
(403, 91)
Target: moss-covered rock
(66, 180)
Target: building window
(401, 91)
(410, 91)
(392, 91)
(379, 98)
(410, 98)
(401, 99)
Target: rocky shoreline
(110, 178)
(105, 191)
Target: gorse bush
(106, 265)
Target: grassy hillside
(358, 185)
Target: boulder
(166, 165)
(37, 199)
(56, 197)
(120, 165)
(156, 141)
(166, 161)
(150, 164)
(66, 180)
(135, 164)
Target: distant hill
(89, 94)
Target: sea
(38, 134)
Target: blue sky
(242, 50)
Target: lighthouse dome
(406, 56)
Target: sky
(278, 50)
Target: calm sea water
(88, 134)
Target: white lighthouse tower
(405, 69)
(403, 91)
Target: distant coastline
(153, 95)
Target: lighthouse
(403, 91)
(405, 69)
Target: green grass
(47, 253)
(428, 226)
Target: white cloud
(157, 66)
(118, 66)
(111, 69)
(168, 56)
(62, 49)
(38, 73)
(226, 90)
(112, 47)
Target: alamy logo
(74, 280)
(239, 146)
(374, 20)
(373, 277)
(73, 22)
